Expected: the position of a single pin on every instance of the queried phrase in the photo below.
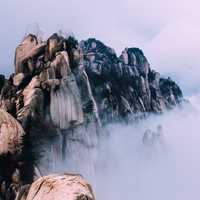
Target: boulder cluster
(69, 90)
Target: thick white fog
(127, 169)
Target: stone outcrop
(18, 79)
(29, 102)
(11, 134)
(65, 105)
(11, 147)
(27, 53)
(62, 94)
(60, 187)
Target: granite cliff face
(64, 92)
(126, 85)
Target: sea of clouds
(127, 169)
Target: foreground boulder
(60, 187)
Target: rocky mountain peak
(63, 93)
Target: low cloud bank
(128, 170)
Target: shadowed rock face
(60, 187)
(62, 92)
(126, 85)
(2, 81)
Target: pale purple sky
(167, 31)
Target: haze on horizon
(167, 31)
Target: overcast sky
(167, 31)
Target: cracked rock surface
(60, 187)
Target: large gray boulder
(60, 187)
